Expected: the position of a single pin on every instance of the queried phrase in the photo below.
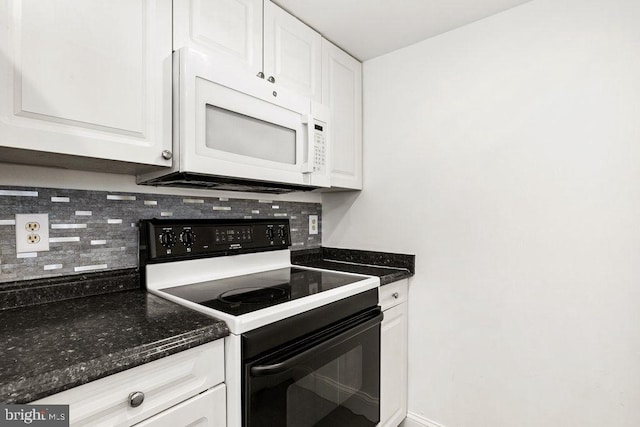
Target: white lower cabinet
(186, 388)
(393, 357)
(205, 410)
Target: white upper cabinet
(269, 43)
(258, 37)
(87, 78)
(292, 53)
(342, 93)
(229, 31)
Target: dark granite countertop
(390, 267)
(50, 343)
(52, 347)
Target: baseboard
(415, 420)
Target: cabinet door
(342, 93)
(229, 31)
(164, 382)
(393, 366)
(205, 410)
(87, 77)
(292, 53)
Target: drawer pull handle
(395, 295)
(136, 398)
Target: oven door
(236, 125)
(330, 378)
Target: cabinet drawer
(205, 410)
(394, 293)
(164, 382)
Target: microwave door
(231, 126)
(245, 146)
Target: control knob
(270, 233)
(168, 239)
(188, 238)
(281, 233)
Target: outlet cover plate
(26, 233)
(313, 224)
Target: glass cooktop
(244, 294)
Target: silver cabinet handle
(167, 155)
(136, 398)
(395, 295)
(271, 79)
(260, 74)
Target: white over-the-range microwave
(232, 131)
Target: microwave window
(247, 136)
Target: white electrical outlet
(313, 224)
(32, 232)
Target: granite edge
(29, 389)
(381, 259)
(301, 256)
(403, 263)
(390, 278)
(25, 293)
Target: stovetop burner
(239, 295)
(235, 297)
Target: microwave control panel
(319, 148)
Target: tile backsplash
(97, 230)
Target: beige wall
(508, 152)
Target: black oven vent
(213, 182)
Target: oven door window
(332, 383)
(331, 392)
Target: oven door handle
(323, 345)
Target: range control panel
(168, 239)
